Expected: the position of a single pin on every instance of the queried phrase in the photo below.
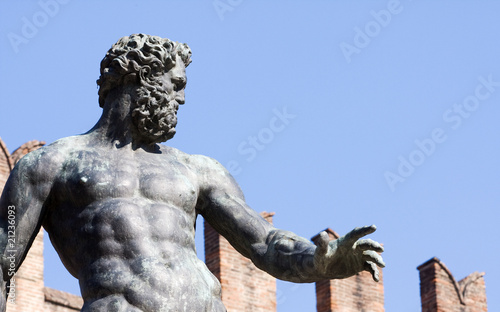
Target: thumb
(322, 243)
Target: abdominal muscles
(136, 255)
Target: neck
(115, 125)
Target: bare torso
(123, 223)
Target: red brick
(244, 286)
(440, 292)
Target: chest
(91, 176)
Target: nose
(179, 97)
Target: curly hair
(137, 52)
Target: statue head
(147, 63)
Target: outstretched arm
(21, 214)
(280, 253)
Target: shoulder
(45, 161)
(195, 162)
(209, 166)
(214, 178)
(208, 171)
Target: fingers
(372, 268)
(359, 232)
(373, 257)
(322, 243)
(368, 244)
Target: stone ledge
(62, 298)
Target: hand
(349, 254)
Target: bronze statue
(120, 208)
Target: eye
(179, 83)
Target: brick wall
(358, 293)
(60, 301)
(244, 286)
(440, 292)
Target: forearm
(288, 257)
(8, 263)
(13, 248)
(13, 243)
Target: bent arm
(280, 253)
(21, 215)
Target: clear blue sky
(395, 115)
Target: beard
(154, 115)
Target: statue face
(155, 112)
(174, 81)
